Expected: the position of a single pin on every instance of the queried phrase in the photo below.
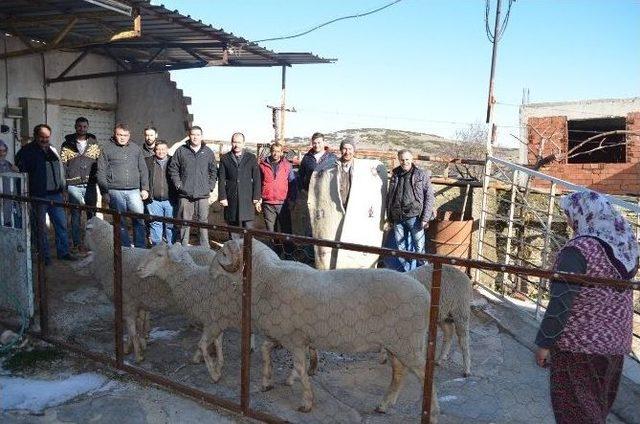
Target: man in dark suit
(239, 182)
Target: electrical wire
(359, 15)
(503, 25)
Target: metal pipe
(43, 301)
(117, 290)
(245, 370)
(434, 310)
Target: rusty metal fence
(241, 395)
(521, 223)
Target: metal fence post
(41, 233)
(483, 213)
(245, 370)
(545, 247)
(429, 368)
(117, 289)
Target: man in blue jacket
(46, 181)
(410, 202)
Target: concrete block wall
(613, 178)
(153, 100)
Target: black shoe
(68, 257)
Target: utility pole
(491, 100)
(277, 121)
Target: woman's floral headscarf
(593, 215)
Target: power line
(359, 15)
(503, 25)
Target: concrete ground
(506, 386)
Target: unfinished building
(593, 143)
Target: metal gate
(16, 288)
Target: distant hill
(386, 139)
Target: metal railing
(244, 407)
(521, 223)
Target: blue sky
(420, 65)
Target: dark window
(610, 149)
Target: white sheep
(140, 295)
(456, 292)
(344, 310)
(203, 293)
(454, 312)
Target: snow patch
(157, 334)
(448, 398)
(37, 395)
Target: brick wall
(613, 178)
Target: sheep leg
(313, 361)
(147, 324)
(382, 356)
(462, 331)
(203, 344)
(447, 336)
(133, 337)
(398, 372)
(300, 364)
(267, 369)
(196, 358)
(217, 342)
(292, 377)
(142, 327)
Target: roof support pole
(283, 92)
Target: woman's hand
(542, 357)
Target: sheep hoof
(381, 409)
(139, 358)
(127, 349)
(216, 376)
(466, 374)
(266, 387)
(311, 371)
(304, 408)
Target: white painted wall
(137, 100)
(23, 77)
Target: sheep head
(229, 257)
(97, 231)
(159, 258)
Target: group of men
(139, 179)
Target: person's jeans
(59, 222)
(194, 210)
(80, 195)
(161, 208)
(129, 201)
(410, 237)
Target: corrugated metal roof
(168, 39)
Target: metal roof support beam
(74, 63)
(154, 57)
(63, 33)
(165, 44)
(124, 65)
(139, 70)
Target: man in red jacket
(278, 186)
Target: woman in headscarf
(586, 329)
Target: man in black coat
(193, 172)
(239, 184)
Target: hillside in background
(386, 139)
